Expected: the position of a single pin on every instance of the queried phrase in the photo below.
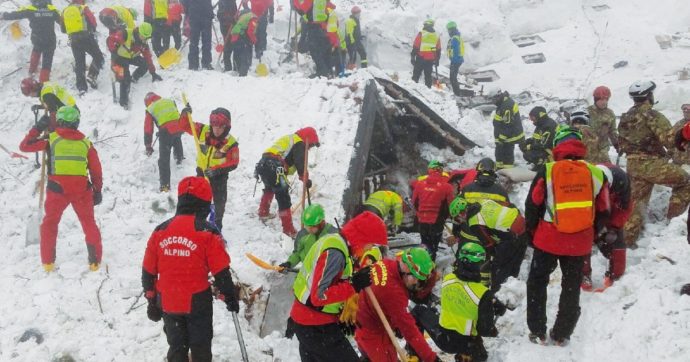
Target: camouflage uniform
(679, 157)
(603, 122)
(643, 134)
(591, 141)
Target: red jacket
(175, 11)
(392, 295)
(232, 158)
(250, 32)
(462, 178)
(69, 184)
(118, 38)
(181, 252)
(546, 236)
(90, 19)
(431, 198)
(260, 7)
(427, 55)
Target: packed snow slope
(89, 316)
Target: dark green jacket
(304, 241)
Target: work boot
(265, 204)
(44, 76)
(586, 284)
(558, 341)
(91, 79)
(462, 357)
(94, 266)
(286, 220)
(164, 188)
(538, 339)
(49, 267)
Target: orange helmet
(602, 92)
(150, 98)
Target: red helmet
(108, 17)
(150, 98)
(30, 86)
(309, 136)
(602, 92)
(195, 186)
(220, 117)
(355, 10)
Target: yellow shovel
(16, 31)
(261, 69)
(171, 57)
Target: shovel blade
(169, 58)
(262, 70)
(16, 31)
(33, 229)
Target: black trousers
(505, 154)
(260, 45)
(84, 43)
(506, 261)
(319, 49)
(200, 30)
(454, 70)
(191, 331)
(422, 65)
(447, 340)
(242, 56)
(543, 264)
(225, 28)
(125, 83)
(219, 188)
(166, 143)
(324, 343)
(43, 52)
(161, 32)
(354, 49)
(175, 32)
(267, 169)
(431, 235)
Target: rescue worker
(156, 14)
(468, 309)
(174, 24)
(681, 157)
(681, 140)
(386, 204)
(456, 54)
(163, 113)
(537, 150)
(581, 121)
(180, 254)
(393, 279)
(507, 127)
(336, 41)
(129, 47)
(200, 15)
(431, 198)
(644, 135)
(52, 97)
(285, 157)
(227, 11)
(567, 205)
(426, 52)
(354, 40)
(79, 24)
(325, 281)
(485, 185)
(117, 17)
(218, 154)
(43, 17)
(315, 227)
(497, 227)
(242, 40)
(264, 10)
(603, 122)
(435, 167)
(611, 243)
(74, 178)
(315, 16)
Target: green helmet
(435, 165)
(429, 22)
(67, 114)
(313, 215)
(565, 132)
(134, 12)
(472, 253)
(451, 25)
(457, 206)
(419, 262)
(145, 30)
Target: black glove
(611, 236)
(187, 108)
(499, 307)
(37, 107)
(43, 123)
(308, 183)
(361, 279)
(680, 141)
(290, 328)
(155, 77)
(286, 265)
(153, 311)
(149, 150)
(97, 198)
(231, 302)
(347, 328)
(211, 173)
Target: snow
(640, 318)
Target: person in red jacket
(174, 23)
(264, 10)
(242, 40)
(431, 197)
(567, 205)
(227, 11)
(612, 242)
(682, 138)
(74, 178)
(163, 113)
(179, 256)
(426, 52)
(79, 23)
(393, 280)
(326, 280)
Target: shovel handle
(372, 298)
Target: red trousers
(377, 346)
(82, 203)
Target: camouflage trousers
(645, 172)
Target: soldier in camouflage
(581, 120)
(645, 135)
(681, 157)
(603, 123)
(507, 128)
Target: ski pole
(243, 348)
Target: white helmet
(491, 91)
(580, 116)
(641, 89)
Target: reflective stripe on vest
(74, 19)
(68, 157)
(385, 202)
(302, 286)
(460, 304)
(476, 196)
(429, 41)
(495, 216)
(283, 145)
(318, 11)
(350, 25)
(125, 16)
(332, 26)
(242, 24)
(59, 92)
(124, 50)
(160, 9)
(582, 207)
(211, 156)
(163, 111)
(449, 48)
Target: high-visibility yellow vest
(211, 156)
(59, 92)
(282, 148)
(125, 16)
(68, 157)
(350, 25)
(332, 25)
(74, 19)
(460, 304)
(125, 50)
(163, 111)
(302, 286)
(449, 48)
(429, 41)
(387, 202)
(318, 11)
(242, 24)
(494, 216)
(160, 9)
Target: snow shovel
(243, 348)
(261, 69)
(437, 82)
(16, 31)
(171, 56)
(372, 298)
(265, 265)
(33, 233)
